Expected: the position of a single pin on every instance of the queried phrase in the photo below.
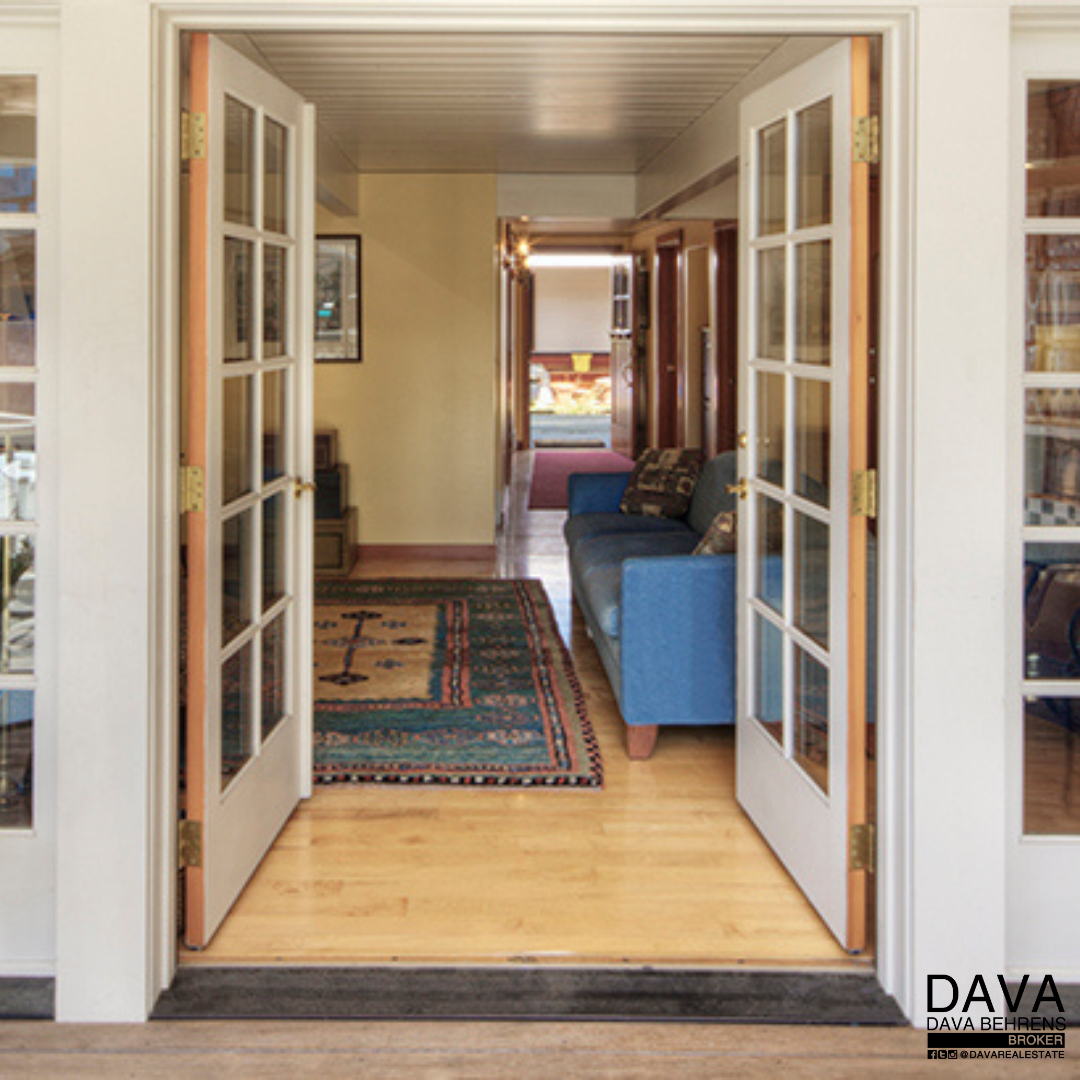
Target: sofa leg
(640, 740)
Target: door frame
(896, 962)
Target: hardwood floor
(659, 867)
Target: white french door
(801, 714)
(249, 429)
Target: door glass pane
(811, 714)
(772, 181)
(771, 424)
(237, 726)
(1053, 149)
(769, 585)
(771, 327)
(239, 162)
(274, 292)
(813, 136)
(235, 575)
(813, 303)
(275, 164)
(1052, 611)
(1052, 322)
(1051, 766)
(273, 587)
(18, 300)
(236, 313)
(18, 144)
(273, 425)
(1052, 457)
(273, 675)
(16, 758)
(18, 456)
(17, 579)
(812, 440)
(768, 702)
(812, 578)
(236, 438)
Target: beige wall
(416, 420)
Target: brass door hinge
(192, 136)
(864, 493)
(865, 141)
(862, 847)
(189, 847)
(192, 489)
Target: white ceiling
(521, 103)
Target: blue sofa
(662, 619)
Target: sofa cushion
(721, 537)
(581, 526)
(612, 548)
(662, 483)
(711, 495)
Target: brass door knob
(300, 486)
(742, 488)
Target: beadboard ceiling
(512, 103)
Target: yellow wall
(417, 419)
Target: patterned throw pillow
(720, 537)
(662, 483)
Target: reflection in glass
(18, 144)
(236, 409)
(237, 729)
(812, 440)
(273, 425)
(274, 293)
(18, 457)
(811, 713)
(771, 334)
(1052, 316)
(236, 314)
(1053, 149)
(18, 297)
(275, 171)
(769, 678)
(16, 759)
(1052, 611)
(273, 586)
(273, 675)
(239, 162)
(772, 189)
(813, 303)
(770, 549)
(17, 579)
(771, 424)
(235, 576)
(1052, 457)
(812, 578)
(813, 134)
(1051, 766)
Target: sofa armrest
(596, 493)
(677, 640)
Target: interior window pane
(813, 135)
(769, 678)
(273, 551)
(18, 144)
(770, 552)
(18, 455)
(812, 439)
(16, 759)
(17, 578)
(237, 724)
(1052, 457)
(1052, 318)
(811, 714)
(236, 412)
(813, 303)
(236, 539)
(274, 293)
(1053, 149)
(1051, 766)
(275, 162)
(273, 675)
(772, 181)
(812, 578)
(273, 425)
(239, 162)
(771, 424)
(236, 319)
(18, 297)
(771, 323)
(1052, 611)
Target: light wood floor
(659, 867)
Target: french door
(801, 726)
(249, 448)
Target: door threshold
(503, 992)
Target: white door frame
(896, 966)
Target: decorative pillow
(720, 537)
(662, 483)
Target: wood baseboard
(444, 552)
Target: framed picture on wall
(338, 314)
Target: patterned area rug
(446, 682)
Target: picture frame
(338, 310)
